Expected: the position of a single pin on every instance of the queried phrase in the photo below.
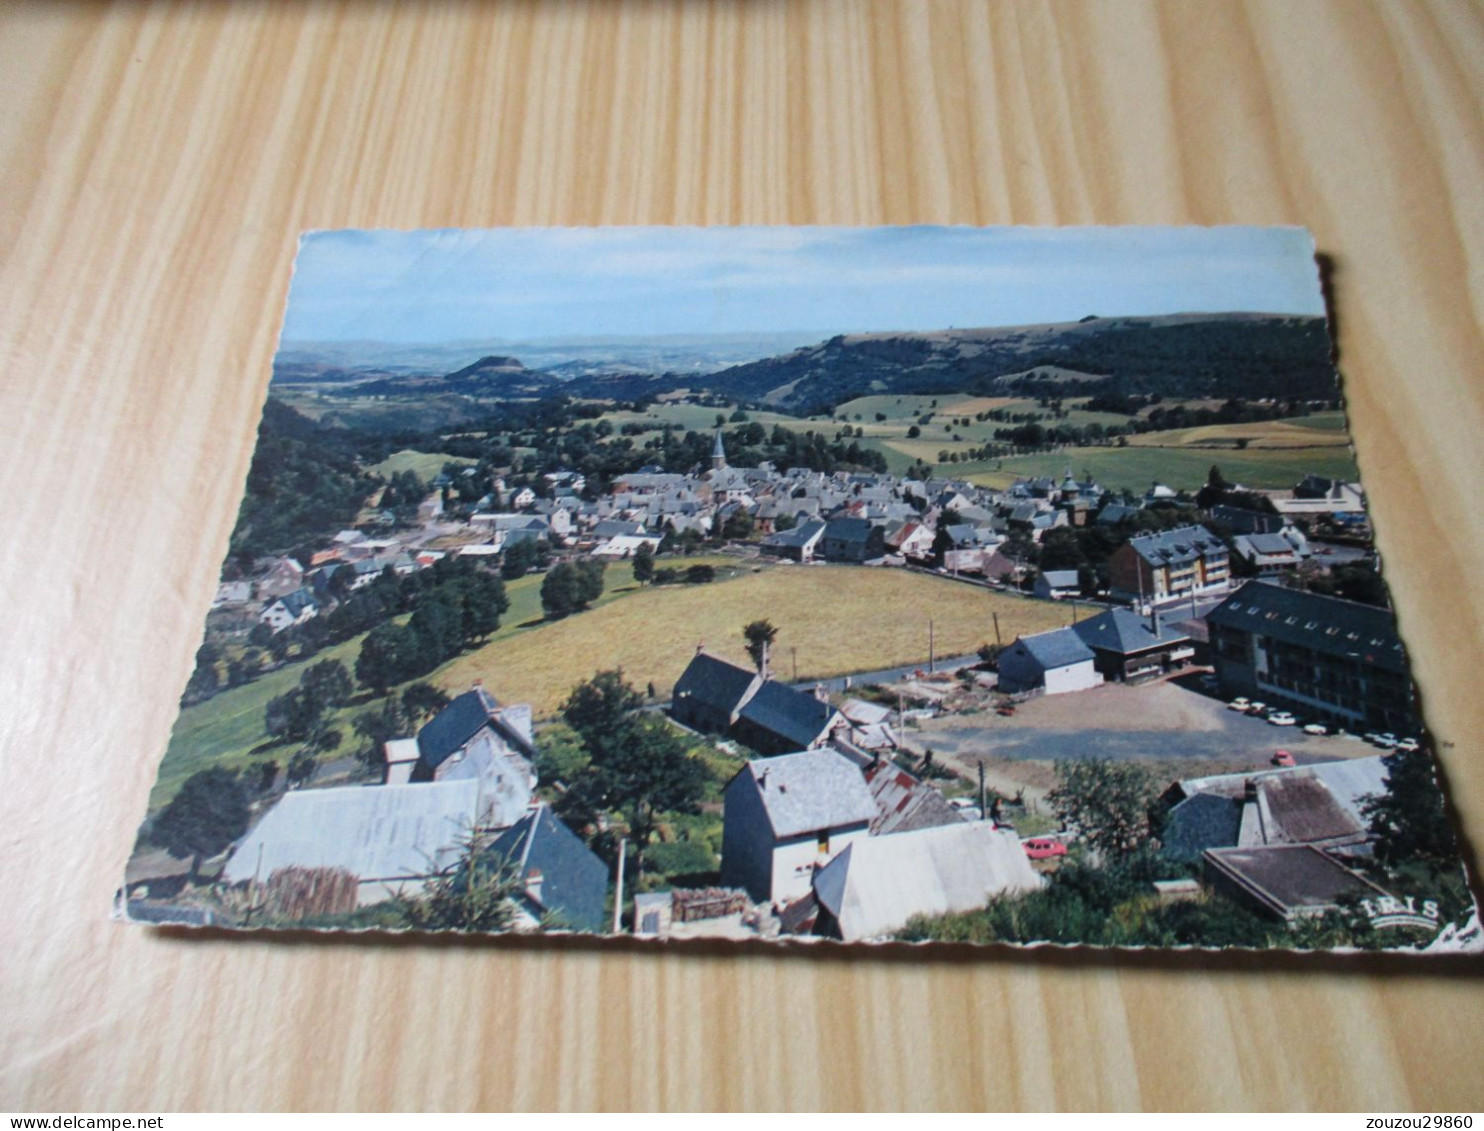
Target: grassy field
(225, 730)
(425, 465)
(1320, 430)
(1134, 468)
(838, 618)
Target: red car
(1043, 848)
(1283, 758)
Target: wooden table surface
(157, 163)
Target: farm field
(1134, 468)
(838, 618)
(1325, 429)
(425, 465)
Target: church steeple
(718, 454)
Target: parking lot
(1153, 722)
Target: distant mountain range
(1181, 355)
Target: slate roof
(1244, 521)
(453, 726)
(1274, 544)
(1204, 821)
(1348, 781)
(795, 715)
(810, 791)
(1061, 578)
(572, 881)
(1116, 512)
(715, 682)
(1125, 632)
(1177, 547)
(1329, 625)
(1059, 648)
(799, 536)
(612, 528)
(857, 530)
(297, 601)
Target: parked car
(1282, 758)
(1316, 728)
(1385, 740)
(1281, 719)
(1408, 744)
(1256, 708)
(1238, 704)
(1043, 848)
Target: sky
(525, 284)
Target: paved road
(889, 675)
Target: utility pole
(932, 653)
(618, 886)
(982, 797)
(997, 641)
(795, 653)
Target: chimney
(762, 779)
(700, 647)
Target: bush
(679, 858)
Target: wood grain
(156, 165)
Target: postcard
(924, 584)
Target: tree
(560, 754)
(518, 559)
(639, 766)
(204, 680)
(760, 635)
(378, 727)
(475, 894)
(644, 564)
(326, 684)
(1106, 802)
(596, 709)
(589, 574)
(204, 818)
(1409, 820)
(423, 700)
(484, 603)
(387, 655)
(559, 592)
(302, 768)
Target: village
(1242, 714)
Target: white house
(289, 610)
(1058, 584)
(626, 546)
(1057, 661)
(784, 816)
(875, 885)
(474, 738)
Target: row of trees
(458, 613)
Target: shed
(875, 886)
